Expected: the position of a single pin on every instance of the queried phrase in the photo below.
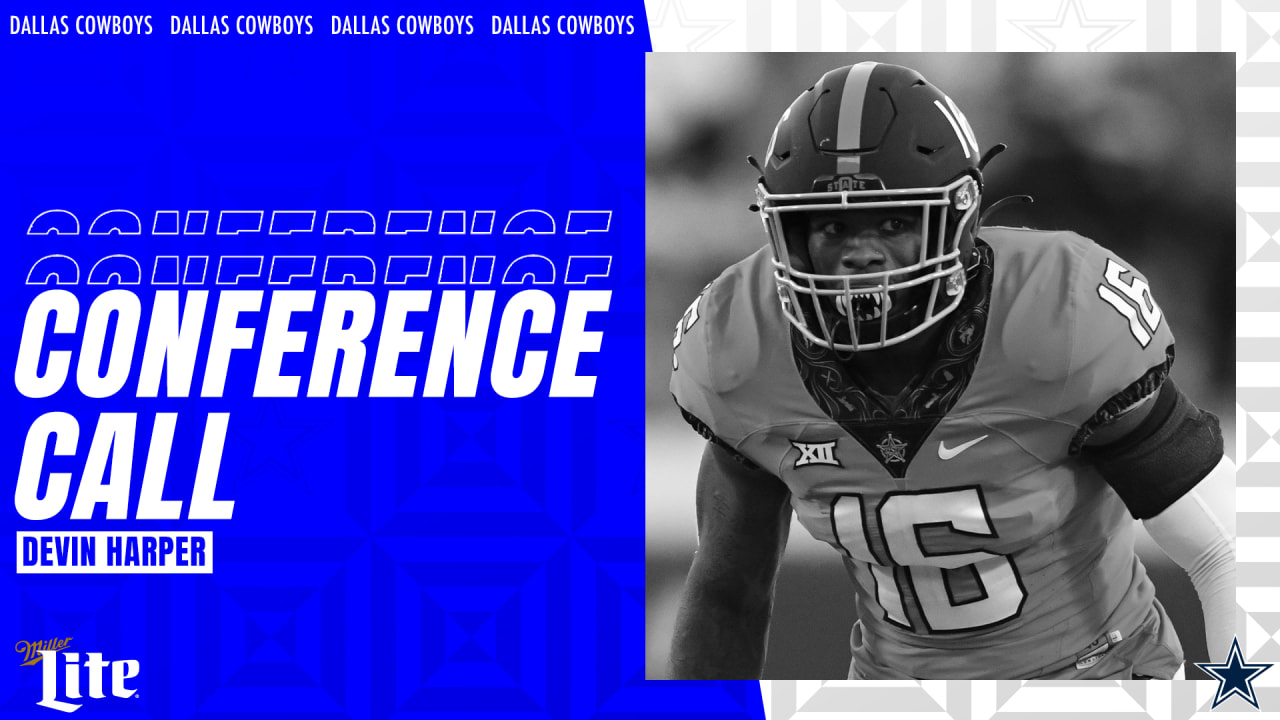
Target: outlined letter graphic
(231, 268)
(582, 222)
(123, 268)
(166, 270)
(536, 268)
(120, 222)
(55, 269)
(400, 268)
(583, 267)
(538, 222)
(356, 222)
(403, 222)
(55, 222)
(234, 222)
(482, 269)
(453, 222)
(284, 268)
(287, 222)
(482, 222)
(360, 268)
(195, 269)
(166, 222)
(453, 270)
(197, 222)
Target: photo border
(1246, 27)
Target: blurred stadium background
(1133, 150)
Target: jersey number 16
(955, 590)
(1131, 299)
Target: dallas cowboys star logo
(1235, 677)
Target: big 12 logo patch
(94, 666)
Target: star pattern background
(1072, 30)
(486, 627)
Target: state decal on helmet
(868, 137)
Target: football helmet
(868, 137)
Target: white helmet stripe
(964, 124)
(964, 144)
(849, 129)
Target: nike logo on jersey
(947, 453)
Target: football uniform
(979, 542)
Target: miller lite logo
(95, 670)
(31, 650)
(823, 453)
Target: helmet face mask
(909, 150)
(907, 299)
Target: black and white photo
(970, 400)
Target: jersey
(980, 544)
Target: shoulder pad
(1079, 315)
(1033, 286)
(717, 343)
(1121, 336)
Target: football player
(970, 415)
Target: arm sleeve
(1167, 454)
(1189, 533)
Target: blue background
(474, 555)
